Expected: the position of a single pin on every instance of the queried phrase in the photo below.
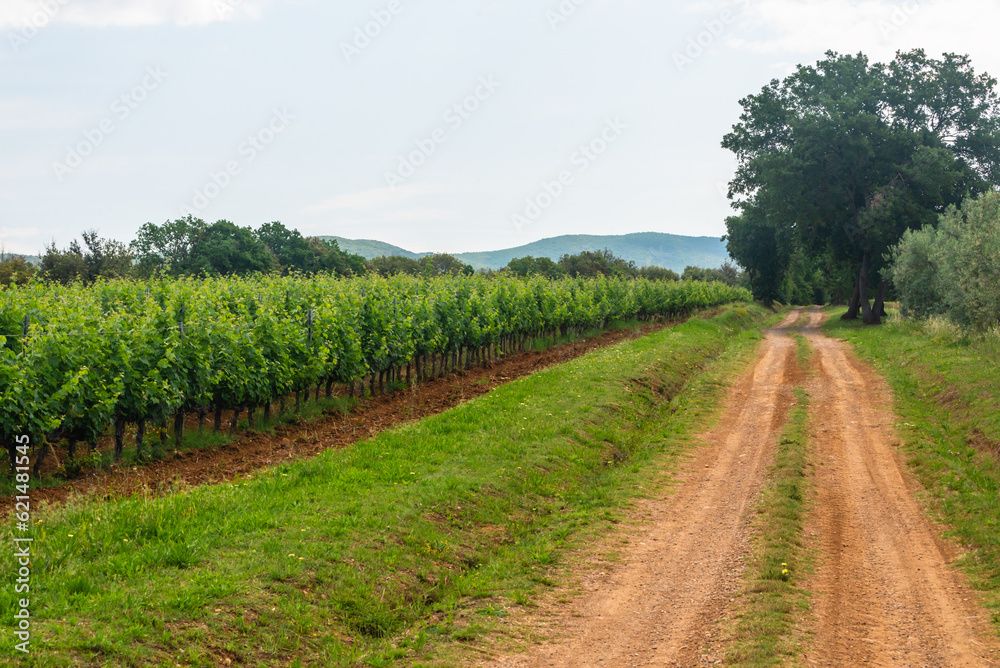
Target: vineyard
(78, 361)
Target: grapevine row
(77, 360)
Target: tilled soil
(884, 592)
(660, 605)
(252, 451)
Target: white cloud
(876, 27)
(25, 14)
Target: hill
(644, 248)
(30, 259)
(369, 248)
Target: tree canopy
(838, 159)
(193, 247)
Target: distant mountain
(369, 248)
(644, 248)
(30, 259)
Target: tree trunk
(201, 418)
(267, 412)
(42, 453)
(119, 437)
(140, 436)
(70, 449)
(218, 419)
(879, 306)
(178, 428)
(854, 306)
(868, 316)
(236, 419)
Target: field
(739, 486)
(424, 535)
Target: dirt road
(660, 606)
(884, 593)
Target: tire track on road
(661, 605)
(884, 592)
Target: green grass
(408, 547)
(947, 396)
(764, 634)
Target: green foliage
(442, 264)
(589, 264)
(64, 266)
(840, 158)
(225, 248)
(535, 266)
(953, 269)
(727, 273)
(429, 266)
(190, 246)
(15, 270)
(141, 352)
(389, 548)
(658, 274)
(391, 265)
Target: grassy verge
(763, 633)
(947, 396)
(401, 548)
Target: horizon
(415, 125)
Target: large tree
(839, 159)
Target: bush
(953, 270)
(15, 270)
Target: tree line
(191, 247)
(839, 159)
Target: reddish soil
(885, 592)
(659, 606)
(251, 451)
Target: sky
(435, 125)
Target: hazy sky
(431, 124)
